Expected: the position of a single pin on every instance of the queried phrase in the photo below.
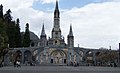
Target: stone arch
(37, 55)
(34, 55)
(58, 57)
(89, 56)
(11, 54)
(97, 53)
(81, 55)
(97, 56)
(27, 56)
(41, 56)
(18, 56)
(78, 56)
(58, 51)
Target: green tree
(11, 35)
(108, 56)
(3, 35)
(3, 38)
(1, 11)
(17, 34)
(7, 16)
(26, 40)
(10, 25)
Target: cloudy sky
(96, 23)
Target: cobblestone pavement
(59, 69)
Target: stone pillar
(68, 59)
(22, 57)
(44, 56)
(6, 60)
(72, 55)
(85, 58)
(63, 60)
(49, 59)
(72, 58)
(44, 59)
(94, 58)
(78, 58)
(38, 55)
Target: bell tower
(43, 39)
(56, 31)
(70, 38)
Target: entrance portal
(65, 61)
(51, 60)
(58, 57)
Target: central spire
(56, 8)
(56, 31)
(56, 12)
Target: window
(56, 42)
(56, 33)
(32, 44)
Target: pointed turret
(56, 12)
(43, 39)
(56, 7)
(70, 38)
(43, 32)
(70, 32)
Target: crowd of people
(75, 64)
(17, 63)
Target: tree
(1, 11)
(26, 40)
(3, 38)
(10, 25)
(108, 56)
(7, 16)
(11, 34)
(17, 34)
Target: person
(77, 64)
(71, 63)
(2, 63)
(18, 64)
(115, 65)
(15, 64)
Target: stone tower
(43, 39)
(56, 31)
(70, 38)
(56, 39)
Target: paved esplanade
(59, 69)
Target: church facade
(53, 50)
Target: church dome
(33, 36)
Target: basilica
(53, 50)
